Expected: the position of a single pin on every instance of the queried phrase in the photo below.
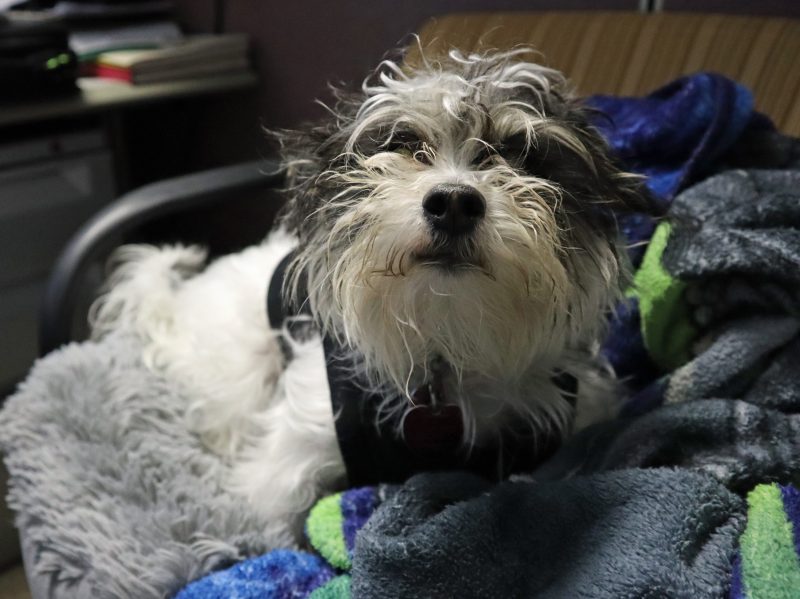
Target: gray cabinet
(49, 185)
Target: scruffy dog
(452, 229)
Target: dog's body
(453, 229)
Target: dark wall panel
(775, 8)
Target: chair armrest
(99, 235)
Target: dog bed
(116, 499)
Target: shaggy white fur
(208, 330)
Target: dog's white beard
(476, 324)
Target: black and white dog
(452, 237)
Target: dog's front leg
(296, 458)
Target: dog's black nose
(454, 209)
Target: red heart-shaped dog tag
(433, 430)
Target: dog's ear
(607, 182)
(574, 154)
(300, 158)
(306, 154)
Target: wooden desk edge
(97, 98)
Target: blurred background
(99, 97)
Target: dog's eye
(408, 144)
(401, 140)
(485, 152)
(513, 147)
(553, 163)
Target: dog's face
(463, 211)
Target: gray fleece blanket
(115, 498)
(658, 533)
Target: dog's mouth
(446, 259)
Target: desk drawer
(42, 204)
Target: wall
(300, 46)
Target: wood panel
(631, 54)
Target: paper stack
(193, 56)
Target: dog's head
(462, 210)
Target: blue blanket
(674, 136)
(651, 504)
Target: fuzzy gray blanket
(115, 498)
(649, 505)
(632, 533)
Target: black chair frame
(98, 236)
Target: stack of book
(189, 57)
(87, 43)
(137, 41)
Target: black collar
(373, 449)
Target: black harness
(374, 450)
